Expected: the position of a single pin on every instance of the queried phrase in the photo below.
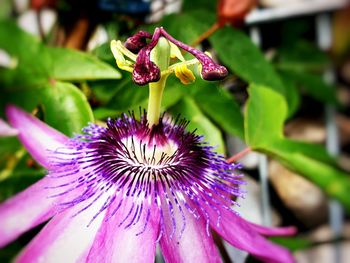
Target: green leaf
(103, 113)
(6, 9)
(173, 92)
(18, 182)
(74, 65)
(221, 107)
(295, 29)
(292, 243)
(315, 86)
(315, 151)
(188, 109)
(209, 5)
(333, 181)
(292, 94)
(103, 52)
(128, 96)
(8, 145)
(243, 58)
(37, 64)
(265, 113)
(301, 56)
(103, 90)
(15, 171)
(189, 26)
(66, 108)
(31, 59)
(11, 152)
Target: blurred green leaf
(35, 65)
(187, 108)
(173, 92)
(104, 53)
(102, 113)
(128, 96)
(243, 58)
(292, 243)
(11, 151)
(30, 58)
(65, 106)
(265, 113)
(332, 180)
(16, 183)
(104, 90)
(301, 56)
(17, 170)
(295, 29)
(189, 25)
(292, 94)
(27, 99)
(209, 5)
(6, 9)
(8, 145)
(314, 85)
(315, 151)
(72, 65)
(221, 107)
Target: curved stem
(239, 155)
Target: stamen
(122, 49)
(119, 58)
(184, 74)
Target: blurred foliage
(68, 89)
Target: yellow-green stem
(155, 101)
(160, 56)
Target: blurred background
(55, 62)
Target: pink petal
(24, 211)
(194, 245)
(6, 130)
(114, 243)
(239, 233)
(273, 231)
(36, 136)
(30, 208)
(67, 237)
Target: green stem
(160, 56)
(155, 101)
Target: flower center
(149, 155)
(129, 163)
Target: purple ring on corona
(129, 161)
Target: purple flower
(112, 193)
